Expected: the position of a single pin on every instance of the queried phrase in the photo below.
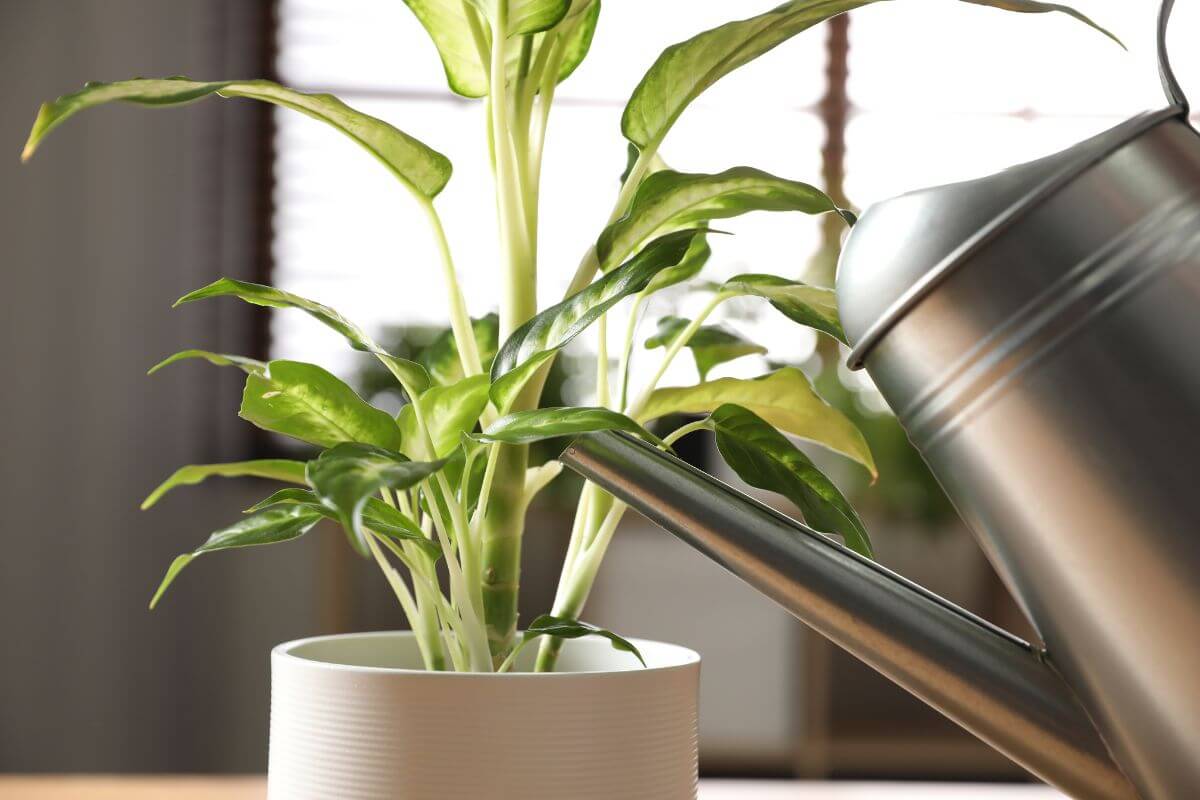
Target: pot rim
(671, 657)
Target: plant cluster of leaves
(441, 488)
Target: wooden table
(88, 787)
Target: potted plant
(466, 704)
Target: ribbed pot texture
(353, 716)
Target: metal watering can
(1036, 333)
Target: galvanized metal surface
(1049, 374)
(988, 681)
(1052, 382)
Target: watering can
(1036, 333)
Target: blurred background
(126, 209)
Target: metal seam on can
(1046, 322)
(1054, 296)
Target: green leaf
(524, 16)
(290, 495)
(534, 16)
(543, 335)
(813, 306)
(563, 628)
(449, 411)
(784, 398)
(411, 375)
(310, 404)
(261, 295)
(693, 261)
(1031, 7)
(264, 527)
(449, 24)
(279, 469)
(418, 166)
(246, 365)
(344, 477)
(377, 515)
(710, 345)
(524, 427)
(576, 32)
(685, 70)
(441, 359)
(391, 522)
(669, 200)
(763, 457)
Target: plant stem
(477, 644)
(453, 636)
(603, 393)
(623, 365)
(427, 642)
(467, 600)
(578, 535)
(673, 350)
(426, 627)
(590, 263)
(519, 296)
(460, 319)
(579, 584)
(600, 512)
(502, 527)
(536, 139)
(502, 519)
(684, 430)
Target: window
(940, 91)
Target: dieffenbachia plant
(440, 491)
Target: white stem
(684, 430)
(476, 633)
(520, 276)
(673, 350)
(623, 366)
(589, 562)
(400, 589)
(590, 263)
(460, 319)
(603, 392)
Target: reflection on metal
(1039, 346)
(988, 681)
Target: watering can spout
(990, 682)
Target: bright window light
(942, 91)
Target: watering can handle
(1170, 84)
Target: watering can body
(1048, 370)
(1036, 333)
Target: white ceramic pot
(354, 716)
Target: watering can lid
(902, 248)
